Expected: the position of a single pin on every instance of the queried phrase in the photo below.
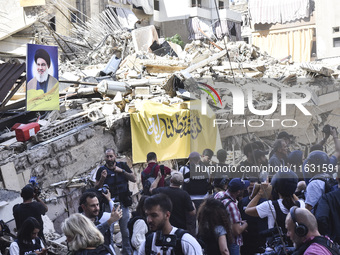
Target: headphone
(300, 229)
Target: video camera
(104, 189)
(274, 243)
(35, 185)
(165, 240)
(161, 168)
(327, 129)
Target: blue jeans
(234, 249)
(127, 250)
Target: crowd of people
(275, 202)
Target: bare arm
(324, 140)
(239, 227)
(251, 207)
(193, 212)
(155, 182)
(100, 183)
(222, 245)
(40, 201)
(130, 176)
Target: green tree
(175, 39)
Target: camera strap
(331, 247)
(177, 249)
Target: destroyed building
(108, 72)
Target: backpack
(332, 247)
(130, 224)
(100, 250)
(148, 179)
(329, 181)
(177, 250)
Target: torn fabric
(126, 18)
(147, 5)
(277, 11)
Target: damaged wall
(59, 160)
(327, 29)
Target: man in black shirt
(117, 176)
(180, 199)
(30, 208)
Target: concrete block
(143, 37)
(81, 137)
(5, 154)
(108, 109)
(328, 98)
(39, 154)
(9, 175)
(54, 163)
(38, 171)
(21, 163)
(90, 132)
(64, 160)
(24, 177)
(142, 91)
(62, 144)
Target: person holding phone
(28, 240)
(89, 205)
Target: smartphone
(116, 204)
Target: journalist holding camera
(30, 208)
(117, 176)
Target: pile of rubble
(112, 73)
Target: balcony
(227, 14)
(200, 12)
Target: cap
(284, 134)
(194, 154)
(237, 184)
(176, 177)
(41, 53)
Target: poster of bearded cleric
(42, 92)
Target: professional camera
(274, 243)
(327, 129)
(104, 189)
(35, 185)
(165, 240)
(161, 168)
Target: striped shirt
(234, 212)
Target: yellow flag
(171, 132)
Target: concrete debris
(106, 72)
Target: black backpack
(148, 179)
(332, 247)
(100, 250)
(329, 181)
(177, 250)
(130, 224)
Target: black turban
(41, 53)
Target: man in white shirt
(166, 239)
